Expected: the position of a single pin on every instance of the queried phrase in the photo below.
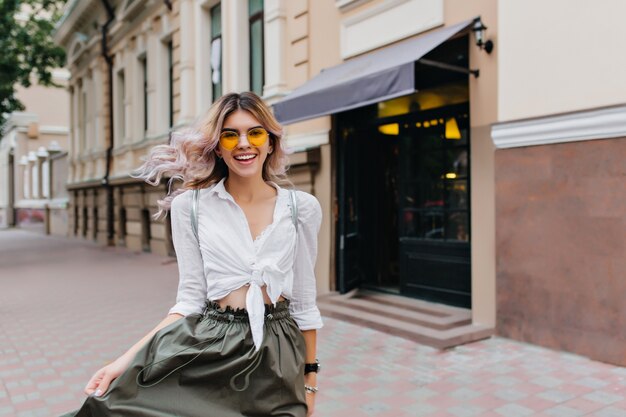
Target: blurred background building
(33, 160)
(468, 155)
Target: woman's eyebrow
(230, 129)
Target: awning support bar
(450, 67)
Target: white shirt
(227, 258)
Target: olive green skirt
(205, 365)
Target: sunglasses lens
(257, 136)
(229, 140)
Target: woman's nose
(243, 141)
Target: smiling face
(244, 160)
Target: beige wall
(50, 104)
(483, 112)
(559, 56)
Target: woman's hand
(100, 381)
(310, 402)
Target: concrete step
(407, 318)
(427, 307)
(420, 317)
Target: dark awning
(378, 76)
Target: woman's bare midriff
(237, 298)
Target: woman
(241, 338)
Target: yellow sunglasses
(257, 136)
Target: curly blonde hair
(190, 156)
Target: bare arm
(310, 340)
(171, 318)
(100, 381)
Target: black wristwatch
(312, 367)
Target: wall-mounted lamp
(479, 32)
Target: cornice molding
(304, 141)
(602, 123)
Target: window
(145, 230)
(255, 16)
(170, 80)
(433, 176)
(121, 106)
(82, 120)
(143, 67)
(216, 51)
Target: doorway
(403, 189)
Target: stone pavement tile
(535, 403)
(487, 402)
(603, 397)
(378, 393)
(609, 412)
(325, 408)
(505, 381)
(464, 394)
(394, 413)
(420, 409)
(510, 394)
(514, 410)
(547, 381)
(401, 401)
(584, 405)
(466, 410)
(443, 400)
(373, 407)
(591, 382)
(576, 389)
(502, 369)
(620, 404)
(555, 395)
(421, 394)
(563, 411)
(491, 413)
(7, 410)
(464, 379)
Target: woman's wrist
(310, 383)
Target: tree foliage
(27, 48)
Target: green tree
(27, 48)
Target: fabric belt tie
(263, 273)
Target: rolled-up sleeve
(192, 285)
(303, 306)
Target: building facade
(33, 160)
(498, 190)
(438, 158)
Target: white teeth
(244, 157)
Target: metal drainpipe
(105, 180)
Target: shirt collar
(221, 192)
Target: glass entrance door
(433, 206)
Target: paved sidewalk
(68, 306)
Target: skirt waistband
(213, 311)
